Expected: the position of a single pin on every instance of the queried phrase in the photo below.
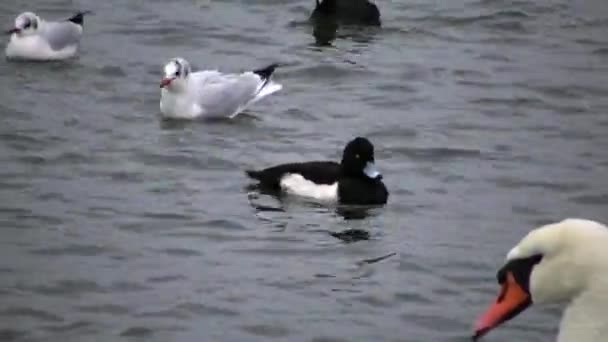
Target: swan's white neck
(586, 318)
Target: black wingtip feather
(253, 174)
(266, 72)
(78, 18)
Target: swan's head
(26, 24)
(553, 263)
(175, 74)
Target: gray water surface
(489, 118)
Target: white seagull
(33, 38)
(210, 93)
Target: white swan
(565, 262)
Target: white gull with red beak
(33, 38)
(564, 262)
(210, 93)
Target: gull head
(175, 74)
(26, 23)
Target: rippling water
(489, 118)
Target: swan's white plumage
(574, 271)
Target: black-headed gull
(210, 93)
(33, 38)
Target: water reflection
(325, 31)
(356, 212)
(351, 235)
(348, 212)
(352, 16)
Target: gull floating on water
(33, 38)
(210, 93)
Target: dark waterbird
(360, 12)
(355, 180)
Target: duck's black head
(325, 7)
(358, 160)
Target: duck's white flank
(295, 184)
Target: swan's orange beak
(511, 301)
(166, 81)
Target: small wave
(110, 309)
(267, 330)
(437, 153)
(601, 51)
(166, 278)
(467, 20)
(137, 332)
(70, 327)
(68, 288)
(207, 310)
(181, 252)
(514, 183)
(599, 199)
(10, 335)
(37, 314)
(72, 250)
(510, 101)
